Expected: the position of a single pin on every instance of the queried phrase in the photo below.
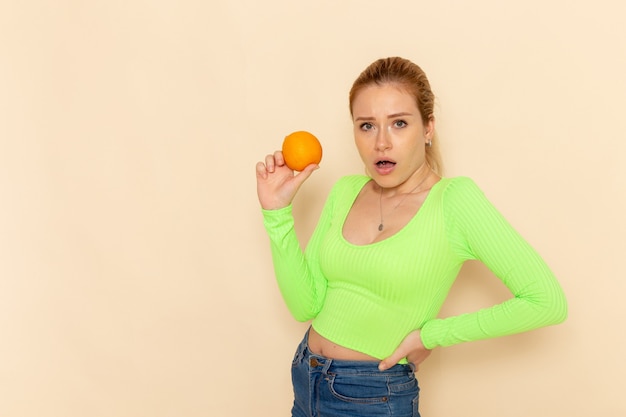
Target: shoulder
(458, 182)
(461, 196)
(460, 188)
(464, 203)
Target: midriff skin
(319, 345)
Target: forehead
(384, 98)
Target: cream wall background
(135, 277)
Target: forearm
(297, 282)
(535, 303)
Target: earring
(429, 143)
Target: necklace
(380, 200)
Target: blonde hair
(411, 77)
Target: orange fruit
(301, 149)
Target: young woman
(386, 250)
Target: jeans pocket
(404, 395)
(373, 395)
(359, 388)
(403, 384)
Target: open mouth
(384, 166)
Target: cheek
(418, 155)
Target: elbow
(557, 311)
(303, 320)
(301, 317)
(300, 314)
(303, 310)
(560, 315)
(561, 308)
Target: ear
(429, 129)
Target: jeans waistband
(336, 366)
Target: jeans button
(313, 362)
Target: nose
(382, 140)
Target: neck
(411, 185)
(421, 185)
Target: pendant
(380, 227)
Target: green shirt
(369, 297)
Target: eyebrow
(391, 116)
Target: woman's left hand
(411, 348)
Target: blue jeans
(326, 387)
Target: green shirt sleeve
(298, 273)
(476, 230)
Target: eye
(366, 126)
(399, 123)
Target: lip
(386, 168)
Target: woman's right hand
(276, 183)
